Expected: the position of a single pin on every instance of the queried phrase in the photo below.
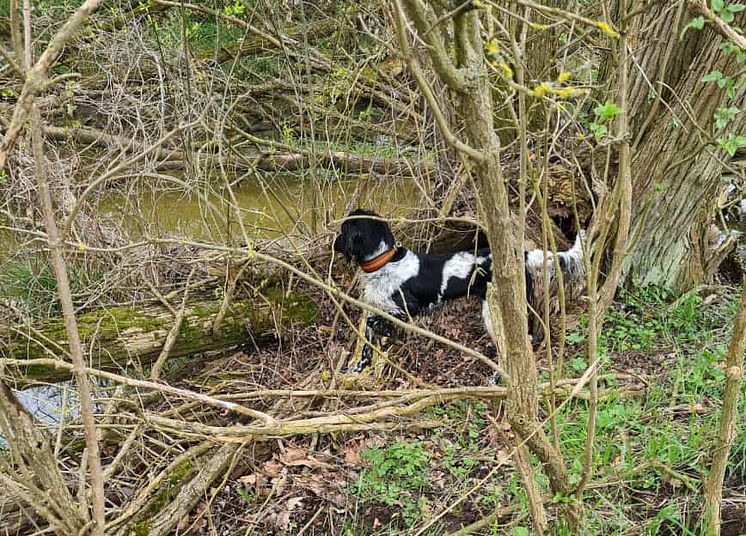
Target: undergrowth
(651, 452)
(30, 287)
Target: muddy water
(284, 206)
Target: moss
(203, 311)
(194, 336)
(178, 367)
(118, 319)
(104, 325)
(140, 529)
(180, 472)
(297, 306)
(165, 495)
(302, 308)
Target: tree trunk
(662, 56)
(675, 178)
(676, 167)
(117, 337)
(460, 66)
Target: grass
(30, 285)
(651, 453)
(396, 476)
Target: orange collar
(378, 263)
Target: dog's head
(363, 236)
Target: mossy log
(120, 338)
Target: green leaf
(725, 115)
(736, 8)
(520, 531)
(697, 23)
(731, 91)
(727, 16)
(717, 5)
(578, 364)
(731, 111)
(599, 131)
(712, 77)
(730, 144)
(605, 112)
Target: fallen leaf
(310, 462)
(352, 453)
(293, 502)
(272, 468)
(323, 485)
(248, 480)
(282, 519)
(504, 457)
(292, 454)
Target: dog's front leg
(376, 327)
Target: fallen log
(174, 159)
(349, 162)
(124, 338)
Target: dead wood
(135, 336)
(29, 471)
(211, 467)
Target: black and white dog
(405, 283)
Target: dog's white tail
(571, 261)
(573, 257)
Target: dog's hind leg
(487, 318)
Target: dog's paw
(366, 358)
(495, 378)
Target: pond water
(282, 206)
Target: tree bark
(118, 337)
(676, 169)
(661, 59)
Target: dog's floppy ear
(361, 235)
(349, 242)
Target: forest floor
(661, 380)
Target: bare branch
(734, 363)
(428, 30)
(36, 77)
(424, 86)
